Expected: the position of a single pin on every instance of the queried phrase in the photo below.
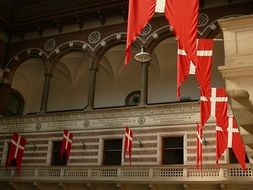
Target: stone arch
(65, 49)
(22, 57)
(111, 41)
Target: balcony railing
(121, 174)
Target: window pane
(173, 150)
(56, 161)
(112, 152)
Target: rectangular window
(56, 161)
(112, 152)
(173, 150)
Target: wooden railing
(107, 174)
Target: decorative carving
(38, 126)
(146, 30)
(141, 120)
(94, 37)
(49, 45)
(203, 20)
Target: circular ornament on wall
(86, 123)
(49, 45)
(141, 120)
(94, 37)
(38, 126)
(146, 30)
(203, 20)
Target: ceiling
(20, 16)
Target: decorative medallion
(38, 126)
(146, 30)
(141, 120)
(203, 20)
(94, 37)
(49, 45)
(86, 123)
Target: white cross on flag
(128, 143)
(181, 14)
(202, 71)
(228, 136)
(17, 148)
(199, 145)
(214, 103)
(66, 143)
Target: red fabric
(128, 143)
(216, 101)
(183, 18)
(203, 70)
(183, 68)
(221, 142)
(17, 148)
(237, 144)
(66, 143)
(199, 146)
(139, 13)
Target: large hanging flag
(16, 151)
(235, 142)
(181, 14)
(128, 143)
(185, 67)
(199, 146)
(66, 143)
(213, 103)
(221, 142)
(139, 13)
(183, 18)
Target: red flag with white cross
(66, 143)
(213, 103)
(181, 14)
(202, 71)
(128, 143)
(17, 148)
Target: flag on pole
(199, 146)
(66, 143)
(128, 143)
(16, 151)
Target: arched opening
(28, 81)
(115, 81)
(70, 83)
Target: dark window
(13, 162)
(172, 150)
(233, 159)
(56, 160)
(112, 152)
(133, 98)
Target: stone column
(45, 93)
(92, 86)
(144, 84)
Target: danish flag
(202, 71)
(17, 148)
(66, 143)
(128, 143)
(181, 14)
(214, 104)
(199, 145)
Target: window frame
(101, 148)
(160, 138)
